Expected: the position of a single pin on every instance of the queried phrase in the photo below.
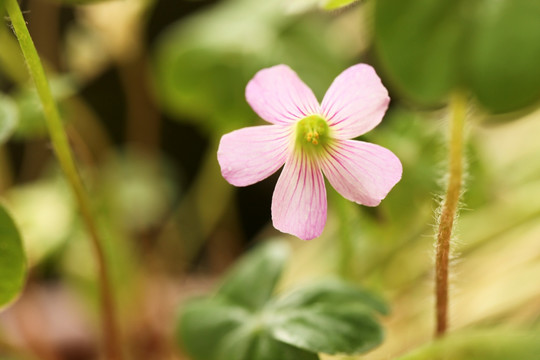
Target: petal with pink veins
(251, 154)
(361, 172)
(299, 200)
(355, 102)
(279, 96)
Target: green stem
(449, 210)
(203, 206)
(5, 170)
(143, 121)
(62, 149)
(346, 248)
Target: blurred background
(147, 88)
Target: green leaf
(502, 67)
(251, 283)
(201, 70)
(252, 343)
(233, 332)
(329, 316)
(8, 118)
(203, 64)
(419, 43)
(329, 328)
(12, 259)
(205, 322)
(481, 345)
(242, 324)
(331, 291)
(336, 4)
(430, 48)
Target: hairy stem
(62, 149)
(449, 210)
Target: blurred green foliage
(12, 259)
(203, 64)
(490, 48)
(79, 2)
(31, 122)
(336, 4)
(322, 4)
(481, 345)
(164, 215)
(46, 214)
(136, 175)
(8, 117)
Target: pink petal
(362, 172)
(355, 102)
(249, 155)
(299, 200)
(279, 96)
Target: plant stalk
(346, 247)
(449, 210)
(110, 331)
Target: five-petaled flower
(312, 139)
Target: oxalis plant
(234, 70)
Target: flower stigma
(312, 133)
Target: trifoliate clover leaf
(245, 320)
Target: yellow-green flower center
(312, 133)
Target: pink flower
(312, 139)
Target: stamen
(313, 133)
